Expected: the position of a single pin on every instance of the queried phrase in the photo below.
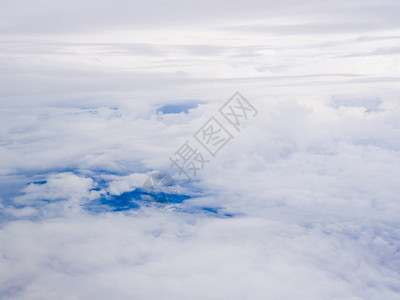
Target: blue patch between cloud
(217, 211)
(176, 108)
(133, 200)
(137, 198)
(41, 182)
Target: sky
(300, 200)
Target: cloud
(301, 203)
(70, 17)
(60, 186)
(314, 201)
(162, 255)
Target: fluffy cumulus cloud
(302, 202)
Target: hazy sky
(112, 50)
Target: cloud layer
(302, 203)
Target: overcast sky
(302, 203)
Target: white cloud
(126, 183)
(302, 203)
(156, 255)
(315, 210)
